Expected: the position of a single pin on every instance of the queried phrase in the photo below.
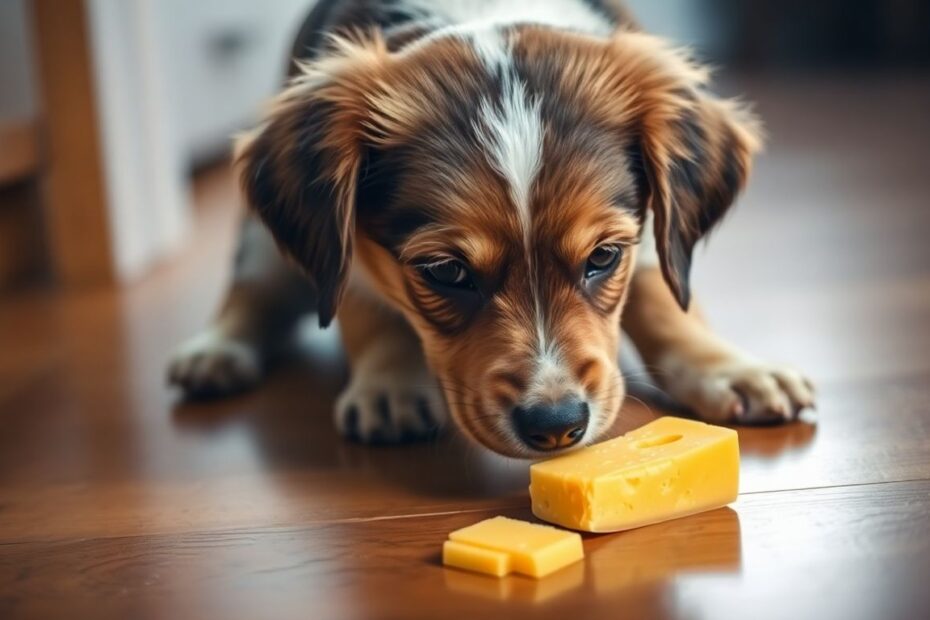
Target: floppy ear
(696, 160)
(697, 155)
(299, 170)
(693, 151)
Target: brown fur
(653, 138)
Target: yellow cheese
(478, 559)
(500, 545)
(666, 469)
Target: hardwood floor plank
(106, 450)
(121, 469)
(117, 500)
(858, 552)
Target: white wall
(145, 174)
(168, 96)
(223, 58)
(17, 90)
(686, 22)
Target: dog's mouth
(535, 418)
(533, 432)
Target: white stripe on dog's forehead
(511, 132)
(509, 126)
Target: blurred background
(110, 108)
(118, 215)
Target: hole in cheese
(667, 469)
(658, 441)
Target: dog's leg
(695, 367)
(391, 395)
(265, 300)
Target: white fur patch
(481, 22)
(512, 133)
(489, 43)
(567, 14)
(213, 362)
(414, 404)
(550, 377)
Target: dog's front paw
(390, 407)
(211, 364)
(741, 391)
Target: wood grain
(267, 458)
(863, 556)
(118, 500)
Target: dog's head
(494, 186)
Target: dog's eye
(448, 273)
(602, 259)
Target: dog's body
(483, 190)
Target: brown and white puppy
(481, 191)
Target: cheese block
(666, 469)
(500, 545)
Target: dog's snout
(552, 426)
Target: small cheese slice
(500, 545)
(669, 468)
(474, 558)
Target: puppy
(483, 192)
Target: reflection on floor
(117, 500)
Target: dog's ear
(300, 168)
(695, 149)
(695, 162)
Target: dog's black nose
(552, 426)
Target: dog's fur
(513, 139)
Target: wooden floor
(119, 501)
